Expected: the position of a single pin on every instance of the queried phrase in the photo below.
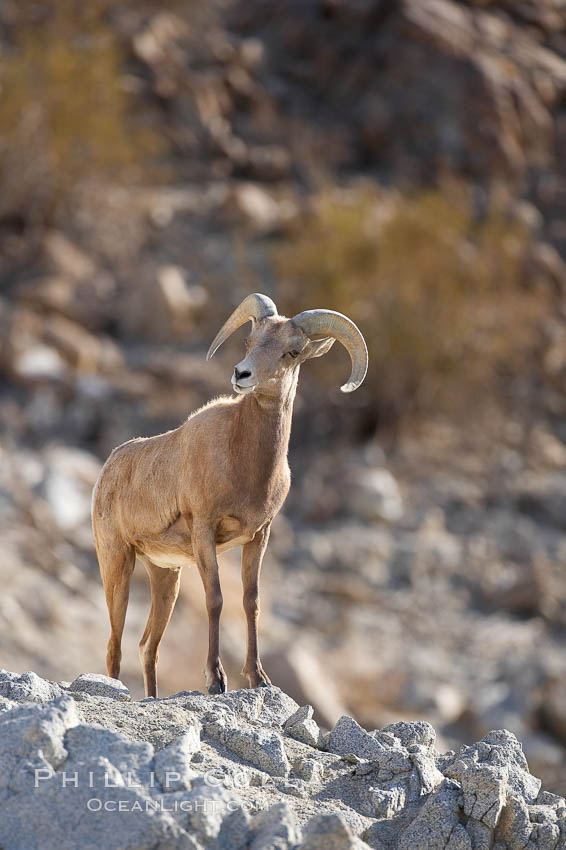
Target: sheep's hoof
(259, 680)
(218, 686)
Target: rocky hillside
(84, 766)
(409, 579)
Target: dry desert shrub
(439, 289)
(66, 117)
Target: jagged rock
(514, 827)
(499, 749)
(544, 837)
(275, 829)
(481, 835)
(435, 821)
(412, 734)
(172, 763)
(399, 89)
(485, 790)
(294, 787)
(32, 822)
(272, 704)
(459, 839)
(52, 764)
(330, 832)
(131, 759)
(99, 685)
(428, 773)
(7, 704)
(33, 736)
(175, 773)
(207, 808)
(303, 713)
(260, 746)
(234, 831)
(309, 769)
(387, 802)
(349, 737)
(27, 687)
(302, 727)
(546, 798)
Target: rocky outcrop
(83, 766)
(427, 85)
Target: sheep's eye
(293, 354)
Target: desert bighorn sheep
(214, 482)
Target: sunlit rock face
(249, 769)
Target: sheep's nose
(240, 375)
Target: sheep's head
(277, 346)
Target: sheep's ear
(318, 347)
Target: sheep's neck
(265, 425)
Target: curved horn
(255, 307)
(329, 323)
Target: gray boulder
(131, 759)
(206, 809)
(416, 733)
(73, 787)
(27, 687)
(98, 685)
(260, 746)
(234, 831)
(275, 829)
(271, 705)
(79, 817)
(498, 749)
(172, 763)
(485, 793)
(330, 832)
(514, 828)
(349, 737)
(302, 727)
(435, 821)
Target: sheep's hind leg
(116, 562)
(164, 591)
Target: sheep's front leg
(204, 547)
(252, 556)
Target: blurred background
(403, 161)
